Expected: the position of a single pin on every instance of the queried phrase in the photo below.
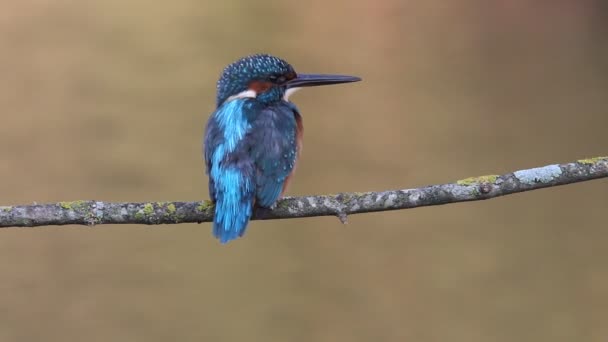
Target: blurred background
(107, 100)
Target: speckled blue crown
(236, 76)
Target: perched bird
(254, 137)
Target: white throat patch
(289, 92)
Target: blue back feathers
(231, 185)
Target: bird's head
(268, 79)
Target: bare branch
(340, 205)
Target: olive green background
(107, 100)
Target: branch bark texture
(341, 205)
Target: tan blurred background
(106, 100)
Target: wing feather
(274, 151)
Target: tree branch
(340, 205)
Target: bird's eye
(276, 79)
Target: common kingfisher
(254, 137)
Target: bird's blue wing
(214, 137)
(230, 168)
(274, 150)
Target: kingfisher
(254, 137)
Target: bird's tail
(235, 193)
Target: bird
(253, 138)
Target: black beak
(313, 80)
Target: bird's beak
(312, 80)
